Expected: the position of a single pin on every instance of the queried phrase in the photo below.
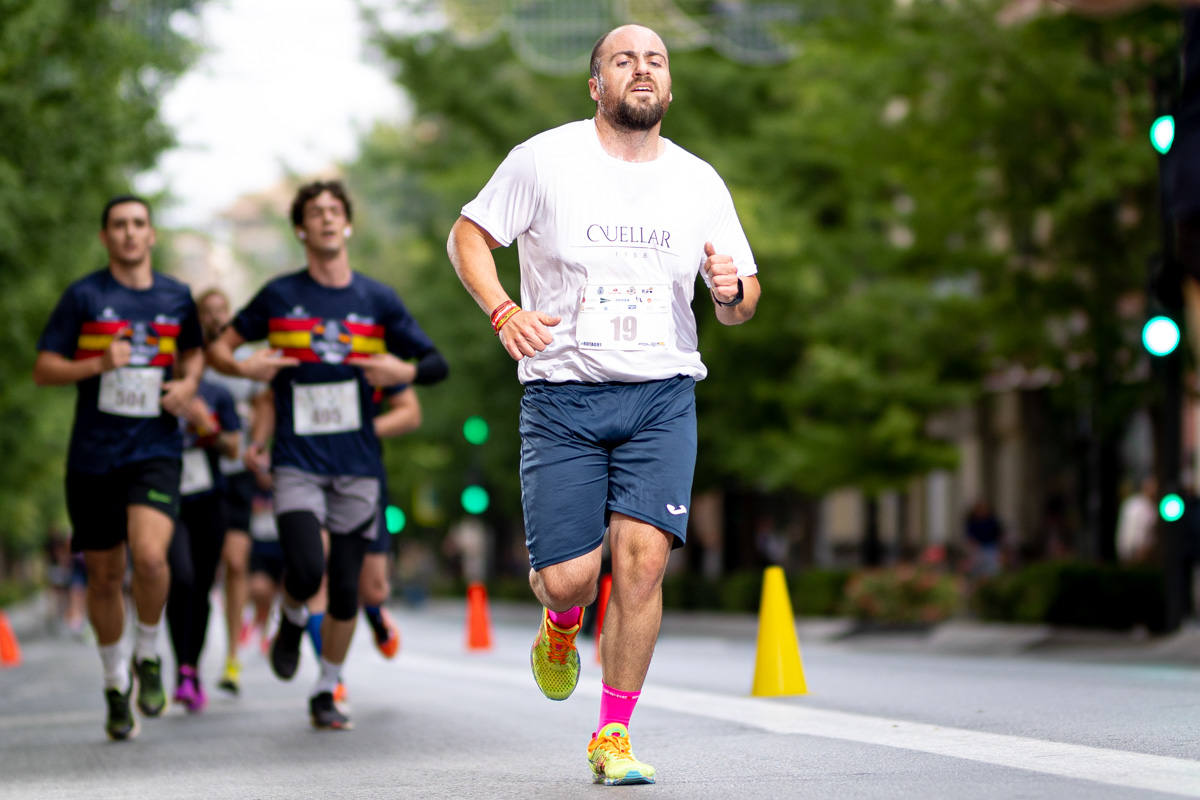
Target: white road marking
(1122, 768)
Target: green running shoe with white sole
(612, 761)
(151, 698)
(554, 659)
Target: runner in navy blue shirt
(211, 431)
(334, 336)
(129, 339)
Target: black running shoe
(120, 724)
(285, 650)
(151, 697)
(325, 713)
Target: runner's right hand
(117, 354)
(263, 365)
(528, 333)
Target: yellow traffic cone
(777, 668)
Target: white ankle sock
(116, 668)
(328, 679)
(145, 641)
(297, 615)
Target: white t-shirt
(613, 247)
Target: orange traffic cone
(479, 627)
(601, 606)
(10, 651)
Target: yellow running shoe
(231, 678)
(554, 659)
(613, 762)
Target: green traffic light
(1162, 133)
(394, 519)
(1160, 335)
(1170, 508)
(475, 500)
(475, 430)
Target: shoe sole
(345, 726)
(124, 737)
(632, 778)
(228, 686)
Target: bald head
(599, 50)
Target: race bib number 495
(132, 392)
(325, 408)
(624, 317)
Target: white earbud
(302, 235)
(347, 231)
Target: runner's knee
(303, 555)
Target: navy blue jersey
(207, 478)
(118, 417)
(324, 406)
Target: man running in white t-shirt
(612, 222)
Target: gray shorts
(342, 503)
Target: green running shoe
(120, 724)
(151, 699)
(554, 659)
(612, 761)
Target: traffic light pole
(1167, 372)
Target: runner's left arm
(178, 393)
(403, 414)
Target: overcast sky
(283, 82)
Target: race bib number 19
(325, 408)
(132, 392)
(624, 317)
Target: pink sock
(566, 619)
(615, 706)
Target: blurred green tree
(80, 84)
(939, 195)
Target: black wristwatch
(737, 298)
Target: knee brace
(303, 555)
(346, 552)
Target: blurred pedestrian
(211, 432)
(238, 485)
(1135, 523)
(614, 222)
(985, 540)
(129, 339)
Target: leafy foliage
(80, 82)
(934, 193)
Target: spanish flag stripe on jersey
(94, 341)
(163, 329)
(302, 354)
(359, 329)
(367, 345)
(289, 339)
(284, 324)
(105, 327)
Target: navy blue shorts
(589, 449)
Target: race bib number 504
(325, 408)
(132, 392)
(624, 317)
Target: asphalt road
(885, 717)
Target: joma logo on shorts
(676, 510)
(158, 496)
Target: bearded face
(632, 109)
